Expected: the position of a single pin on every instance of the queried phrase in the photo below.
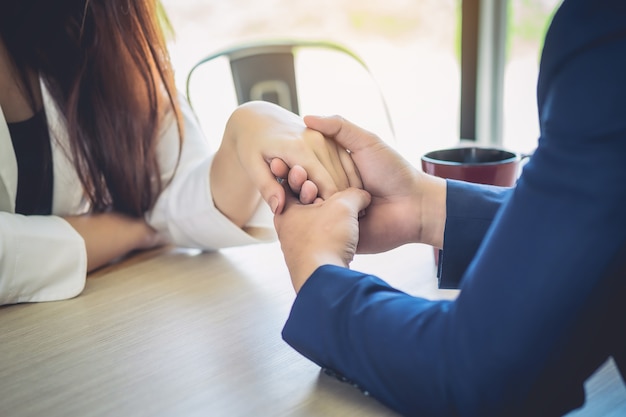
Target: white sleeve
(42, 258)
(185, 212)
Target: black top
(31, 143)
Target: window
(527, 24)
(412, 48)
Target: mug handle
(525, 157)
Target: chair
(274, 71)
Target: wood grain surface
(176, 332)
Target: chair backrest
(266, 70)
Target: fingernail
(273, 204)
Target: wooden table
(182, 333)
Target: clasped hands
(315, 231)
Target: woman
(99, 156)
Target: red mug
(474, 164)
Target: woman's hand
(260, 132)
(323, 233)
(109, 236)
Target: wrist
(301, 270)
(432, 210)
(109, 236)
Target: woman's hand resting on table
(109, 236)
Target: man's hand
(322, 233)
(407, 206)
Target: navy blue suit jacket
(541, 266)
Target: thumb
(355, 199)
(273, 193)
(345, 133)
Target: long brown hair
(106, 65)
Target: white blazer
(42, 258)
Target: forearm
(234, 194)
(390, 350)
(109, 236)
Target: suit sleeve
(526, 288)
(470, 209)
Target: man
(540, 266)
